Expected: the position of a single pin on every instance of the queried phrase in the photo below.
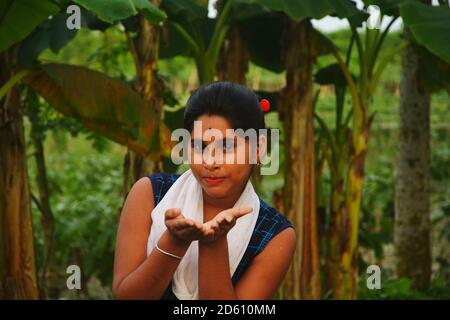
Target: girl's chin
(215, 191)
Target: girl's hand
(185, 230)
(223, 222)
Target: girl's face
(231, 176)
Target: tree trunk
(18, 279)
(303, 279)
(49, 279)
(233, 60)
(145, 49)
(412, 208)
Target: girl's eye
(228, 146)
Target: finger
(179, 224)
(213, 224)
(193, 225)
(199, 226)
(190, 223)
(237, 213)
(219, 218)
(208, 232)
(229, 218)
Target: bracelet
(168, 253)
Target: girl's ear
(262, 146)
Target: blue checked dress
(269, 223)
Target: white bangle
(168, 253)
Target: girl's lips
(214, 180)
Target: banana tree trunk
(337, 208)
(412, 208)
(145, 51)
(18, 278)
(232, 64)
(342, 274)
(48, 280)
(303, 278)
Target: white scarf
(186, 193)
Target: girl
(205, 234)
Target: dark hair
(236, 103)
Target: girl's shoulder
(270, 222)
(163, 177)
(161, 182)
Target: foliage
(106, 105)
(86, 199)
(29, 13)
(401, 289)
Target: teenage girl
(142, 271)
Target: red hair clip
(265, 105)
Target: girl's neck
(212, 206)
(219, 203)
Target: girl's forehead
(210, 133)
(212, 125)
(213, 121)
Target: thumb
(172, 213)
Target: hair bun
(265, 105)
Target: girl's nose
(209, 158)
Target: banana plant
(342, 271)
(202, 35)
(283, 39)
(18, 19)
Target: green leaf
(172, 44)
(309, 8)
(387, 7)
(52, 34)
(92, 22)
(102, 104)
(184, 10)
(242, 11)
(150, 12)
(331, 74)
(434, 73)
(113, 10)
(263, 34)
(430, 26)
(18, 18)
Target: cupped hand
(185, 230)
(223, 222)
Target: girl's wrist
(221, 241)
(172, 244)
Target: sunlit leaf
(102, 104)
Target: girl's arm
(262, 277)
(137, 276)
(214, 271)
